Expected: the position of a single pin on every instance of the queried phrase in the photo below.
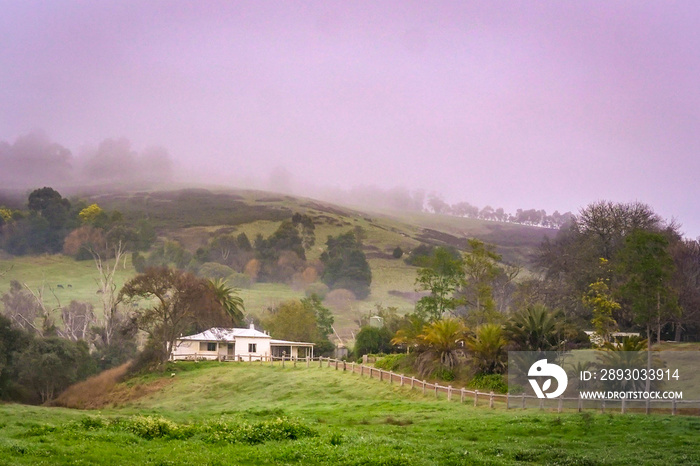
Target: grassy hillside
(194, 216)
(344, 419)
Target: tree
(306, 227)
(91, 214)
(78, 319)
(178, 301)
(646, 267)
(372, 340)
(345, 265)
(535, 328)
(397, 252)
(21, 308)
(480, 273)
(488, 347)
(441, 275)
(292, 320)
(12, 341)
(603, 306)
(229, 300)
(440, 342)
(49, 365)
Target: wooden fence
(475, 397)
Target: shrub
(391, 362)
(489, 382)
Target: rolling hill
(193, 216)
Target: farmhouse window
(252, 347)
(203, 346)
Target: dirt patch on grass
(106, 390)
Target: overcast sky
(514, 104)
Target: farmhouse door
(231, 349)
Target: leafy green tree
(49, 365)
(177, 302)
(292, 320)
(397, 253)
(603, 306)
(12, 341)
(480, 273)
(372, 340)
(324, 323)
(345, 265)
(306, 227)
(646, 268)
(441, 275)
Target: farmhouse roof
(225, 334)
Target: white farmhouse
(238, 344)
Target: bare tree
(78, 319)
(23, 306)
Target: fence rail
(463, 395)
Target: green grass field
(353, 420)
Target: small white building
(237, 344)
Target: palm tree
(441, 340)
(488, 347)
(229, 300)
(536, 328)
(409, 334)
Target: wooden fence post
(413, 381)
(362, 369)
(272, 361)
(329, 362)
(307, 360)
(491, 400)
(436, 389)
(391, 378)
(602, 406)
(250, 357)
(336, 364)
(507, 401)
(295, 361)
(283, 358)
(345, 366)
(423, 387)
(476, 397)
(523, 402)
(320, 361)
(381, 375)
(580, 403)
(673, 407)
(449, 393)
(560, 405)
(541, 404)
(461, 395)
(623, 406)
(401, 384)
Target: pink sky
(514, 104)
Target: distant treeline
(401, 198)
